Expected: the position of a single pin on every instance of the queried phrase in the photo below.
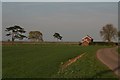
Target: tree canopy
(35, 36)
(16, 32)
(58, 36)
(108, 32)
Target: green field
(43, 61)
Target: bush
(104, 43)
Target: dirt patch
(69, 62)
(110, 58)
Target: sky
(0, 21)
(59, 0)
(72, 20)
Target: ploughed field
(44, 60)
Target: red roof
(87, 38)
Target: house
(86, 40)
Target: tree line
(16, 32)
(108, 32)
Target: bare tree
(108, 32)
(118, 35)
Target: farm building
(86, 40)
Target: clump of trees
(57, 36)
(108, 32)
(118, 35)
(16, 32)
(35, 36)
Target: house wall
(85, 43)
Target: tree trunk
(13, 39)
(109, 40)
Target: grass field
(0, 61)
(43, 61)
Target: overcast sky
(0, 21)
(60, 0)
(72, 20)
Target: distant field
(43, 61)
(0, 61)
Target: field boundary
(69, 62)
(26, 42)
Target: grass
(43, 61)
(0, 61)
(87, 66)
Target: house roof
(87, 37)
(86, 41)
